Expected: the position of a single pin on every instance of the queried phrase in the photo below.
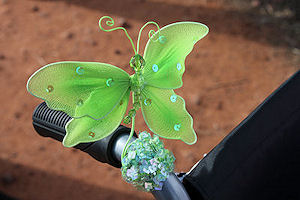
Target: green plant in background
(96, 95)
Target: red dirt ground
(229, 72)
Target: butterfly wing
(163, 110)
(80, 88)
(86, 129)
(165, 56)
(165, 114)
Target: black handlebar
(51, 123)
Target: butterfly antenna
(150, 34)
(110, 22)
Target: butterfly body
(137, 80)
(137, 83)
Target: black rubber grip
(51, 123)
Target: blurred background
(252, 47)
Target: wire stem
(129, 138)
(131, 131)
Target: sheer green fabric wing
(166, 116)
(80, 88)
(86, 129)
(165, 56)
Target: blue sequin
(162, 39)
(173, 98)
(148, 186)
(147, 163)
(79, 70)
(155, 67)
(178, 66)
(159, 187)
(152, 169)
(177, 127)
(164, 172)
(132, 173)
(109, 82)
(131, 155)
(144, 135)
(147, 102)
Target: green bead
(132, 113)
(49, 89)
(127, 120)
(136, 106)
(80, 102)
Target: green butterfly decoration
(96, 95)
